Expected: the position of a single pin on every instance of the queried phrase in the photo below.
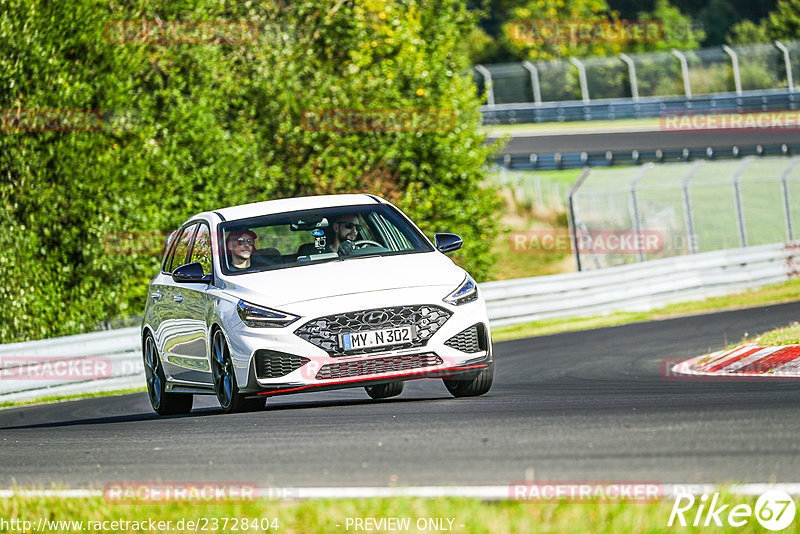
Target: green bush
(188, 127)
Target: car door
(159, 310)
(174, 331)
(188, 354)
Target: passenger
(345, 231)
(241, 244)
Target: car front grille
(273, 364)
(468, 340)
(376, 366)
(324, 331)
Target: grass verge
(467, 515)
(62, 398)
(772, 294)
(789, 335)
(556, 127)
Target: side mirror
(447, 242)
(191, 273)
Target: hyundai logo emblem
(376, 318)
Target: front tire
(225, 385)
(384, 391)
(471, 384)
(162, 402)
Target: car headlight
(466, 292)
(261, 317)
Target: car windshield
(308, 237)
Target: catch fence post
(571, 215)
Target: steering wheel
(365, 243)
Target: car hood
(336, 278)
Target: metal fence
(693, 207)
(734, 69)
(532, 191)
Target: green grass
(772, 294)
(789, 335)
(604, 197)
(603, 201)
(62, 398)
(321, 516)
(556, 127)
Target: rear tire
(384, 391)
(162, 402)
(225, 385)
(472, 384)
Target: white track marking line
(475, 492)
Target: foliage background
(192, 127)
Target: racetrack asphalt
(561, 141)
(582, 406)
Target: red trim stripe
(720, 357)
(367, 379)
(733, 360)
(773, 361)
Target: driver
(240, 244)
(345, 230)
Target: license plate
(377, 338)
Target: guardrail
(86, 363)
(649, 107)
(640, 286)
(116, 354)
(610, 158)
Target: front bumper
(260, 353)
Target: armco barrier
(640, 286)
(36, 369)
(635, 287)
(650, 107)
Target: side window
(181, 250)
(168, 250)
(201, 250)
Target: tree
(781, 24)
(678, 29)
(784, 22)
(526, 33)
(190, 126)
(717, 17)
(747, 32)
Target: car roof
(268, 207)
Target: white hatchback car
(307, 294)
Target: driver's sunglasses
(350, 226)
(245, 241)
